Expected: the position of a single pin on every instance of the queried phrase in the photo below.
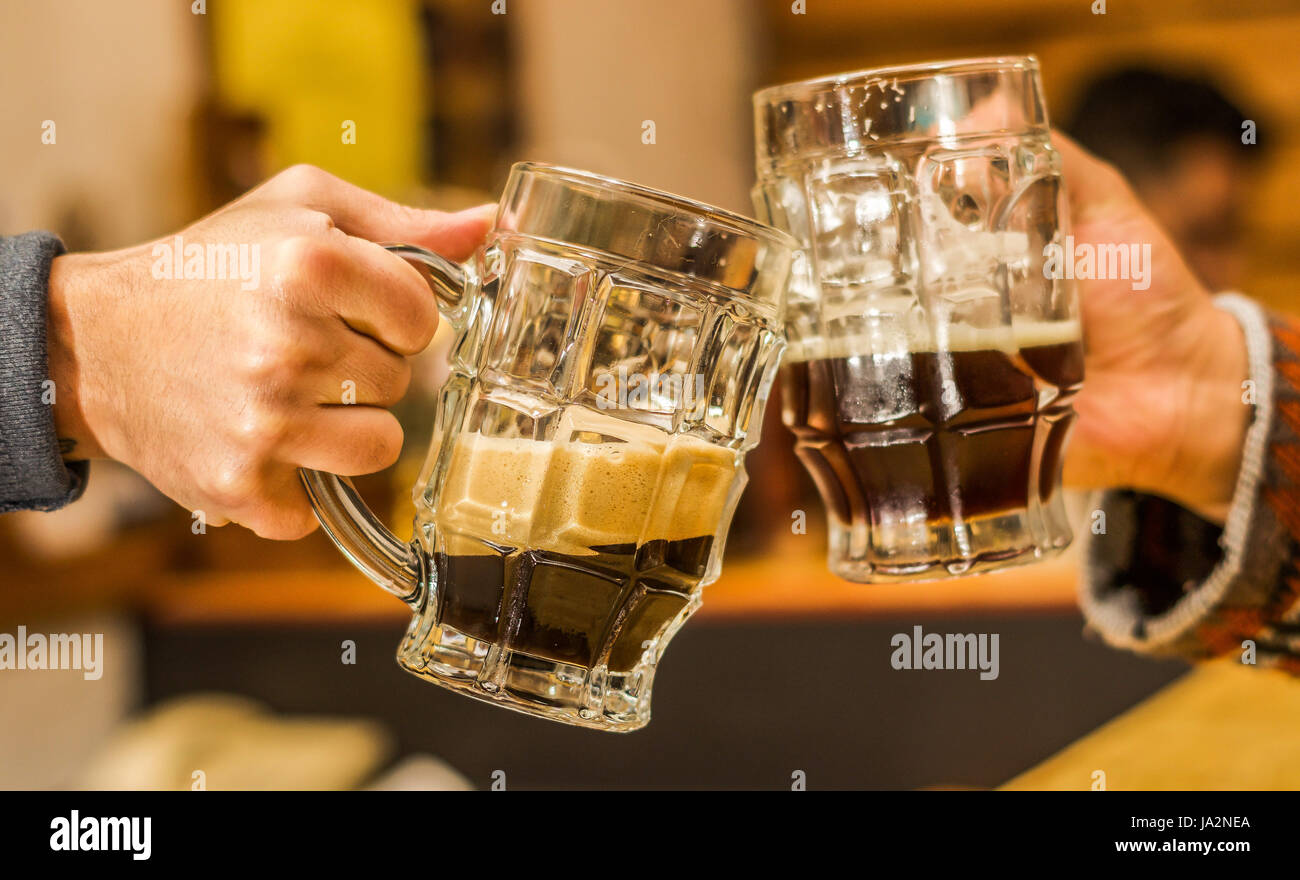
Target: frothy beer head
(571, 497)
(923, 339)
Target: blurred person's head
(1178, 139)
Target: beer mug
(614, 348)
(933, 353)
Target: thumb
(364, 214)
(1097, 189)
(453, 235)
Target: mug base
(947, 550)
(594, 698)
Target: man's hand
(1161, 408)
(217, 394)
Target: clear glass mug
(932, 360)
(614, 347)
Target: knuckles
(273, 364)
(300, 181)
(316, 223)
(236, 475)
(258, 434)
(306, 260)
(230, 486)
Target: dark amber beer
(582, 553)
(909, 449)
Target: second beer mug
(614, 347)
(932, 359)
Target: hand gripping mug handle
(363, 538)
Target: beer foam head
(1022, 333)
(568, 497)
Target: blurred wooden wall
(1251, 47)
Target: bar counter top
(1224, 726)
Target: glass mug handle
(362, 537)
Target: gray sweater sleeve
(33, 475)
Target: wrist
(1219, 412)
(66, 319)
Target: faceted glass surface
(586, 460)
(932, 361)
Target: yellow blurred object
(1222, 727)
(309, 69)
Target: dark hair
(1136, 117)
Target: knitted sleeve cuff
(33, 475)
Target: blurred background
(224, 651)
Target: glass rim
(720, 216)
(926, 69)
